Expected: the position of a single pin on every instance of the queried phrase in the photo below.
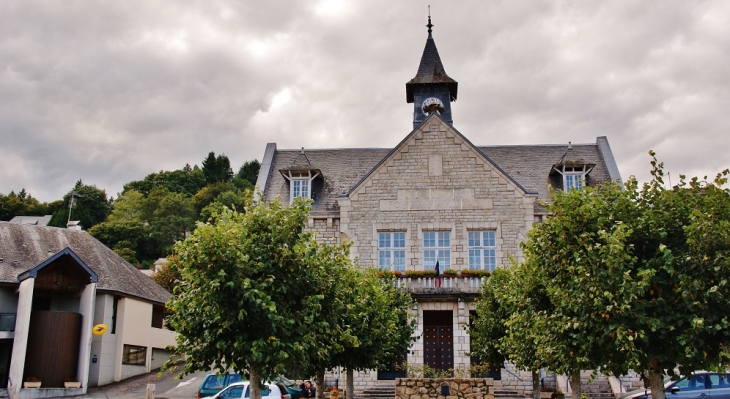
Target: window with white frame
(436, 247)
(300, 188)
(574, 177)
(392, 251)
(482, 250)
(573, 180)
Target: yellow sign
(100, 329)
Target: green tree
(629, 279)
(11, 206)
(169, 274)
(377, 314)
(583, 260)
(248, 285)
(208, 194)
(228, 199)
(247, 175)
(173, 218)
(682, 238)
(90, 205)
(217, 169)
(129, 206)
(132, 235)
(23, 204)
(186, 181)
(507, 298)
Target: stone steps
(507, 394)
(376, 392)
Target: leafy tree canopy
(627, 279)
(23, 204)
(90, 206)
(249, 294)
(185, 181)
(247, 175)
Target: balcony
(442, 287)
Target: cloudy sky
(110, 91)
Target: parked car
(239, 390)
(214, 383)
(698, 385)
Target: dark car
(214, 383)
(698, 385)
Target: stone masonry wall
(436, 181)
(326, 229)
(430, 388)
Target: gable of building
(24, 247)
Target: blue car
(214, 383)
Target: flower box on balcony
(420, 273)
(72, 384)
(474, 273)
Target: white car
(238, 390)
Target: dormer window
(570, 176)
(300, 174)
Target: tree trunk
(536, 384)
(656, 384)
(575, 384)
(255, 382)
(350, 383)
(320, 384)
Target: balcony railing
(7, 321)
(442, 285)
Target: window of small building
(134, 355)
(392, 251)
(115, 305)
(436, 248)
(482, 250)
(157, 316)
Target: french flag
(437, 283)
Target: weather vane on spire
(430, 25)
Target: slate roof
(340, 170)
(34, 220)
(23, 247)
(528, 165)
(531, 165)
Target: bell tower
(432, 90)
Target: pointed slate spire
(431, 70)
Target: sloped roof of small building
(23, 247)
(528, 165)
(33, 220)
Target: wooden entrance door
(438, 339)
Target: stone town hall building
(435, 197)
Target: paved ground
(166, 387)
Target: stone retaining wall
(430, 388)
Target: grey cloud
(109, 92)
